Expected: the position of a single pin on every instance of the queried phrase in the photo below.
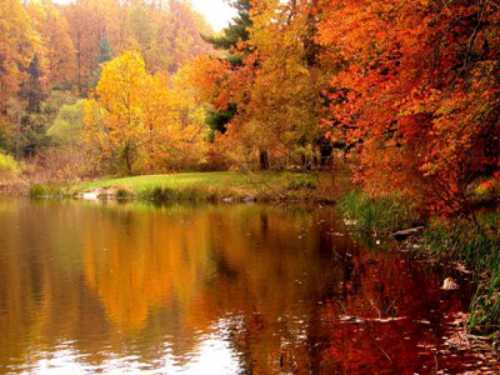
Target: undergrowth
(475, 243)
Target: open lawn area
(264, 186)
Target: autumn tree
(269, 97)
(229, 40)
(416, 95)
(18, 43)
(285, 95)
(143, 122)
(58, 50)
(87, 28)
(119, 98)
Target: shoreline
(213, 187)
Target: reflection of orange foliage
(201, 264)
(378, 325)
(134, 273)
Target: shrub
(8, 166)
(164, 194)
(38, 191)
(123, 194)
(303, 182)
(67, 127)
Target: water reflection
(87, 288)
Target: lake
(88, 287)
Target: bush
(67, 127)
(123, 194)
(38, 191)
(8, 166)
(164, 194)
(303, 182)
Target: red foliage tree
(416, 93)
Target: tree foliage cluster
(52, 55)
(142, 122)
(408, 90)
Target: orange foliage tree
(18, 44)
(167, 34)
(416, 93)
(58, 50)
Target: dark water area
(91, 288)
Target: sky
(217, 12)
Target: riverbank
(471, 247)
(202, 186)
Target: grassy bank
(204, 186)
(473, 244)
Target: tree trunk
(263, 160)
(128, 159)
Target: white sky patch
(217, 12)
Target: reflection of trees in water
(41, 303)
(123, 278)
(229, 261)
(381, 287)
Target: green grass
(381, 215)
(477, 246)
(139, 184)
(211, 186)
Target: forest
(403, 96)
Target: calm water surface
(135, 289)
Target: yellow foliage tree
(140, 122)
(119, 101)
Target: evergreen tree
(236, 32)
(105, 51)
(32, 127)
(31, 89)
